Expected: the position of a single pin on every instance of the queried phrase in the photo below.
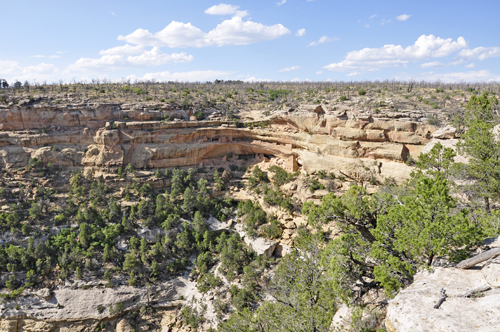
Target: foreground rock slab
(413, 308)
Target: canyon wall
(108, 136)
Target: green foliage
(273, 230)
(257, 177)
(275, 196)
(207, 282)
(482, 148)
(304, 301)
(433, 120)
(275, 94)
(389, 236)
(361, 92)
(254, 215)
(281, 176)
(314, 185)
(191, 317)
(116, 309)
(438, 160)
(199, 115)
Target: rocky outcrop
(113, 135)
(413, 308)
(82, 306)
(471, 297)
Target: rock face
(412, 310)
(73, 308)
(114, 135)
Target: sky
(259, 40)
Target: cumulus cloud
(290, 68)
(322, 40)
(11, 70)
(154, 57)
(355, 73)
(125, 50)
(319, 72)
(190, 76)
(282, 2)
(225, 9)
(425, 48)
(479, 53)
(470, 65)
(234, 31)
(403, 17)
(300, 32)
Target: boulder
(151, 235)
(44, 293)
(447, 132)
(413, 308)
(260, 245)
(124, 326)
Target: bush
(361, 92)
(433, 120)
(315, 185)
(207, 282)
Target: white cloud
(190, 76)
(239, 32)
(322, 40)
(433, 64)
(234, 31)
(113, 14)
(255, 79)
(319, 72)
(425, 48)
(282, 2)
(300, 32)
(125, 49)
(225, 9)
(403, 17)
(384, 21)
(373, 16)
(367, 25)
(470, 65)
(479, 53)
(12, 71)
(290, 68)
(43, 56)
(328, 80)
(354, 74)
(154, 57)
(61, 52)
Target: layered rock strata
(112, 135)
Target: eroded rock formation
(104, 136)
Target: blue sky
(297, 40)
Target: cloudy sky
(200, 40)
